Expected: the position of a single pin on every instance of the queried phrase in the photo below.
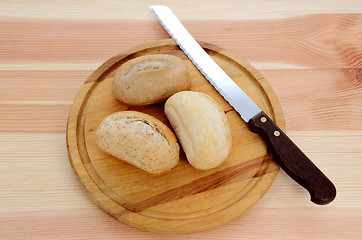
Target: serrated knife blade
(293, 161)
(212, 72)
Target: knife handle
(293, 161)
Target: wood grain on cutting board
(309, 48)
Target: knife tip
(153, 7)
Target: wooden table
(309, 51)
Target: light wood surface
(308, 51)
(182, 200)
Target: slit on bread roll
(201, 127)
(139, 139)
(150, 79)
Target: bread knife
(292, 160)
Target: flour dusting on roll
(201, 127)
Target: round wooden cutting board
(183, 200)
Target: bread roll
(149, 79)
(201, 127)
(139, 139)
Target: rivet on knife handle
(293, 161)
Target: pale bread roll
(139, 139)
(150, 79)
(201, 127)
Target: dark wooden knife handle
(293, 161)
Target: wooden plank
(36, 174)
(189, 9)
(34, 117)
(257, 223)
(64, 211)
(44, 179)
(46, 86)
(318, 99)
(311, 99)
(302, 41)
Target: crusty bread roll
(139, 139)
(201, 127)
(151, 78)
